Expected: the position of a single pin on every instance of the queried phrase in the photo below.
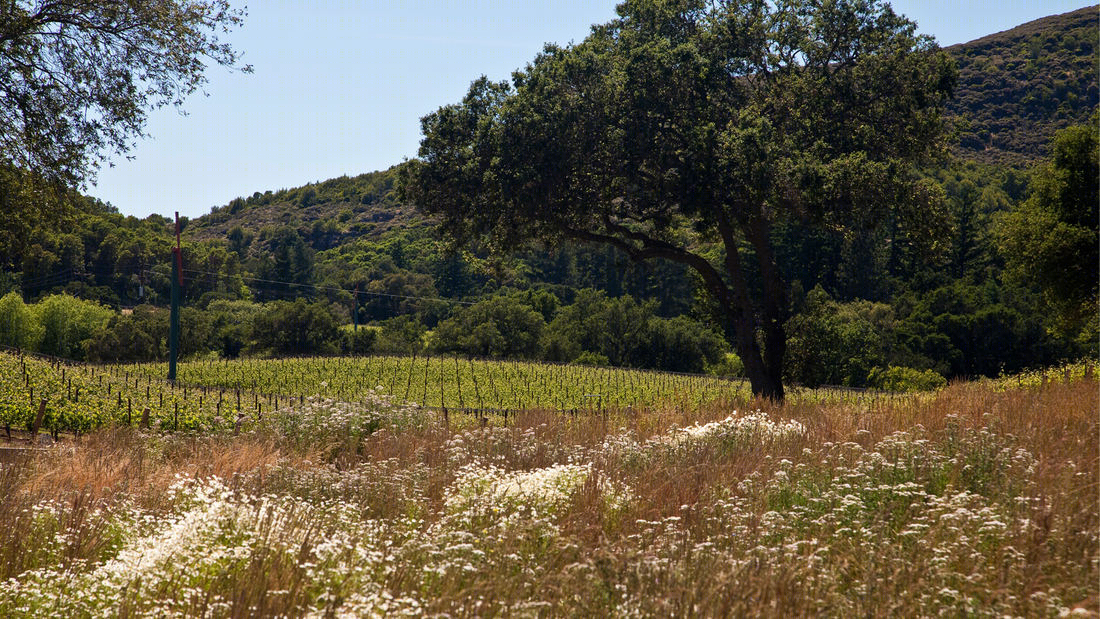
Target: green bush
(497, 327)
(729, 365)
(591, 358)
(896, 378)
(297, 328)
(361, 341)
(66, 322)
(17, 325)
(836, 343)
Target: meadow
(980, 499)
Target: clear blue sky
(340, 85)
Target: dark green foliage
(362, 341)
(965, 330)
(1050, 240)
(396, 294)
(685, 123)
(497, 327)
(837, 344)
(402, 335)
(287, 267)
(231, 325)
(139, 336)
(681, 344)
(142, 335)
(577, 266)
(297, 328)
(621, 332)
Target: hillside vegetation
(288, 272)
(1017, 87)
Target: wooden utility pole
(174, 318)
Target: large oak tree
(685, 130)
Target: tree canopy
(686, 130)
(1050, 240)
(78, 76)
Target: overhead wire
(69, 274)
(336, 288)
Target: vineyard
(56, 396)
(458, 384)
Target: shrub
(297, 328)
(729, 365)
(66, 323)
(361, 341)
(896, 378)
(17, 325)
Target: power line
(353, 292)
(69, 274)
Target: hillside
(327, 212)
(1017, 87)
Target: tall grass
(979, 500)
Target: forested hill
(331, 211)
(1017, 87)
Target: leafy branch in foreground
(77, 77)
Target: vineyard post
(38, 419)
(473, 376)
(458, 381)
(408, 383)
(427, 367)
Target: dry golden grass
(1008, 510)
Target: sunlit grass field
(977, 500)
